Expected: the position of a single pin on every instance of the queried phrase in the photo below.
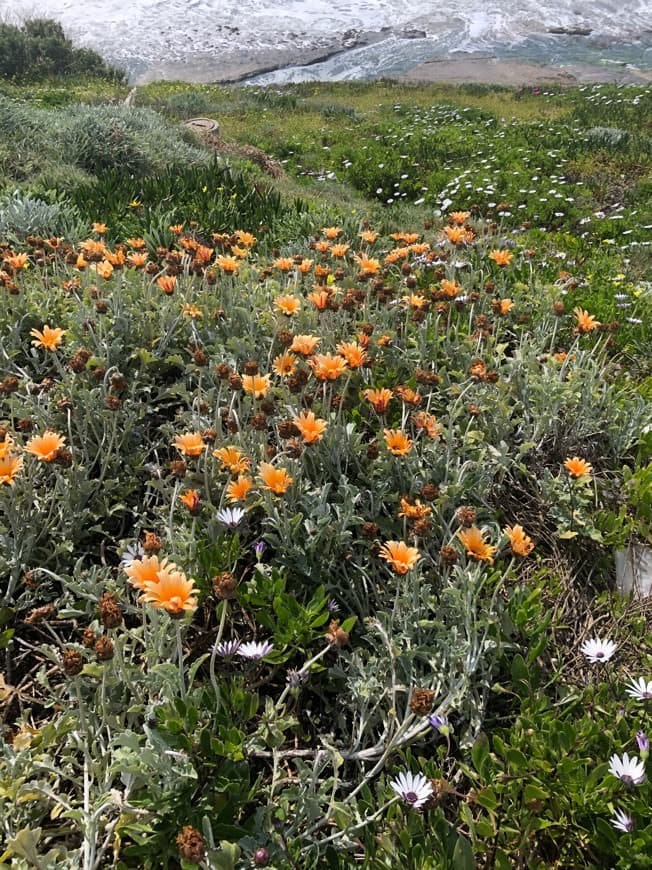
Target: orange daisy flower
(227, 264)
(287, 304)
(173, 592)
(256, 385)
(368, 265)
(427, 422)
(577, 467)
(191, 500)
(17, 261)
(46, 446)
(167, 284)
(10, 468)
(99, 228)
(503, 306)
(275, 479)
(327, 366)
(284, 264)
(379, 399)
(237, 490)
(501, 257)
(191, 311)
(369, 236)
(189, 444)
(339, 251)
(304, 344)
(400, 557)
(585, 321)
(147, 570)
(458, 235)
(136, 243)
(305, 266)
(284, 364)
(331, 232)
(354, 355)
(520, 543)
(416, 511)
(104, 269)
(320, 298)
(137, 261)
(232, 459)
(397, 442)
(177, 229)
(459, 217)
(49, 338)
(476, 547)
(247, 240)
(450, 289)
(322, 247)
(5, 445)
(310, 427)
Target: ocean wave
(140, 34)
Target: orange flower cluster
(163, 584)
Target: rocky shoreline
(240, 65)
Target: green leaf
(463, 855)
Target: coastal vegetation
(312, 481)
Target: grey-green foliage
(21, 216)
(98, 138)
(89, 139)
(608, 137)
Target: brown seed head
(224, 585)
(421, 701)
(72, 662)
(335, 635)
(104, 648)
(190, 844)
(110, 611)
(152, 543)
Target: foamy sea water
(147, 35)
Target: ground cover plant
(308, 527)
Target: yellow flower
(275, 479)
(190, 444)
(310, 427)
(46, 446)
(172, 592)
(585, 321)
(99, 228)
(520, 543)
(287, 304)
(10, 468)
(577, 467)
(49, 338)
(236, 490)
(476, 547)
(400, 557)
(191, 311)
(232, 459)
(257, 385)
(397, 442)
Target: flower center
(411, 797)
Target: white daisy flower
(598, 650)
(227, 648)
(415, 789)
(622, 821)
(640, 690)
(131, 555)
(629, 770)
(231, 517)
(253, 650)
